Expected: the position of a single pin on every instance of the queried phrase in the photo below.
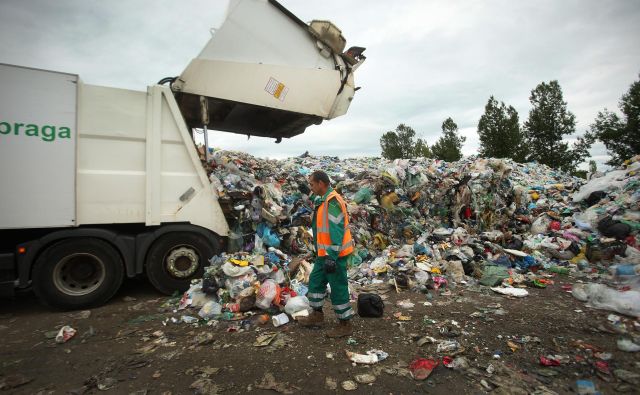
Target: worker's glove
(329, 265)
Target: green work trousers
(339, 288)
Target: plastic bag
(266, 294)
(389, 200)
(608, 182)
(540, 225)
(354, 260)
(625, 272)
(277, 276)
(422, 277)
(235, 285)
(455, 270)
(258, 245)
(363, 195)
(493, 275)
(602, 297)
(268, 237)
(296, 304)
(405, 251)
(210, 309)
(235, 242)
(421, 368)
(586, 220)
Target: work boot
(342, 329)
(316, 318)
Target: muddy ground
(127, 346)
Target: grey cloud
(427, 60)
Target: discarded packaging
(65, 333)
(628, 345)
(421, 368)
(371, 357)
(365, 378)
(517, 292)
(602, 297)
(349, 385)
(280, 319)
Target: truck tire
(176, 258)
(77, 273)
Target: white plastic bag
(517, 292)
(540, 225)
(405, 251)
(422, 277)
(235, 285)
(277, 276)
(210, 309)
(610, 181)
(266, 294)
(296, 304)
(602, 297)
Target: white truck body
(37, 166)
(130, 159)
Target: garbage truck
(99, 183)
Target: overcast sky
(426, 60)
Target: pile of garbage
(424, 225)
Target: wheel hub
(79, 274)
(182, 262)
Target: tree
(499, 131)
(401, 143)
(449, 145)
(621, 136)
(422, 149)
(549, 120)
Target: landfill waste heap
(423, 225)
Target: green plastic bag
(354, 260)
(493, 275)
(363, 195)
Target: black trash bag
(612, 228)
(469, 267)
(574, 247)
(402, 280)
(370, 305)
(595, 197)
(304, 188)
(210, 285)
(514, 244)
(599, 251)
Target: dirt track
(118, 348)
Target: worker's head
(319, 182)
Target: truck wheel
(176, 258)
(78, 273)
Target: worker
(332, 239)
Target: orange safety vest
(322, 225)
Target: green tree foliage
(549, 120)
(422, 149)
(401, 143)
(499, 131)
(449, 145)
(621, 136)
